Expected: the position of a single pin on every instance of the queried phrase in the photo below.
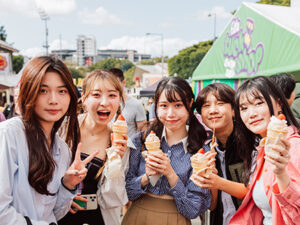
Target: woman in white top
(102, 94)
(37, 181)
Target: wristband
(62, 183)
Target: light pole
(213, 14)
(44, 16)
(162, 50)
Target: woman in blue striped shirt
(172, 198)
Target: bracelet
(62, 183)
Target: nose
(213, 109)
(53, 98)
(170, 112)
(103, 100)
(252, 112)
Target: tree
(110, 63)
(128, 76)
(77, 73)
(3, 34)
(188, 59)
(152, 61)
(18, 62)
(276, 2)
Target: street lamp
(162, 50)
(213, 14)
(44, 16)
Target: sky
(116, 24)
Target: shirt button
(174, 192)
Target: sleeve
(133, 178)
(289, 200)
(63, 203)
(140, 112)
(8, 169)
(190, 200)
(152, 112)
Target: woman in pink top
(257, 100)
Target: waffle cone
(117, 136)
(153, 146)
(199, 165)
(119, 129)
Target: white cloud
(99, 17)
(57, 7)
(55, 45)
(19, 7)
(32, 52)
(29, 8)
(150, 45)
(218, 10)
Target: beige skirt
(148, 210)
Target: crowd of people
(54, 152)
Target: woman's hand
(77, 171)
(207, 178)
(120, 145)
(279, 160)
(75, 207)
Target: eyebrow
(112, 90)
(62, 86)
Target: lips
(215, 118)
(172, 121)
(53, 111)
(103, 115)
(254, 122)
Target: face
(53, 99)
(217, 114)
(103, 102)
(173, 115)
(255, 113)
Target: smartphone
(91, 204)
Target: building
(86, 50)
(8, 78)
(67, 55)
(130, 55)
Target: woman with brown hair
(102, 95)
(38, 180)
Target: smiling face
(256, 114)
(102, 101)
(173, 115)
(52, 101)
(217, 114)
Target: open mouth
(102, 113)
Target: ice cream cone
(199, 161)
(119, 128)
(152, 143)
(276, 129)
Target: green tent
(260, 40)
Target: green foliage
(152, 61)
(18, 62)
(110, 63)
(77, 73)
(276, 2)
(129, 76)
(3, 34)
(188, 59)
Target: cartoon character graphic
(248, 33)
(3, 63)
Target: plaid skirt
(149, 210)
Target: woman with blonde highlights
(38, 179)
(102, 95)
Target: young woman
(273, 195)
(174, 199)
(102, 94)
(36, 185)
(215, 103)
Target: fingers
(80, 198)
(286, 143)
(78, 152)
(121, 142)
(90, 157)
(76, 206)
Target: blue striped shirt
(190, 200)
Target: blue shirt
(190, 199)
(17, 197)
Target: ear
(191, 103)
(124, 83)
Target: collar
(183, 140)
(56, 147)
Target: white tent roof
(284, 16)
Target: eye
(63, 91)
(112, 95)
(243, 108)
(96, 95)
(43, 91)
(178, 105)
(162, 105)
(260, 103)
(205, 105)
(220, 103)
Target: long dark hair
(41, 162)
(171, 86)
(258, 87)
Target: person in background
(2, 117)
(274, 190)
(38, 180)
(133, 111)
(13, 109)
(102, 95)
(174, 197)
(215, 103)
(287, 84)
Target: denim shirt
(190, 199)
(17, 197)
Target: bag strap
(28, 221)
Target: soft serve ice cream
(119, 128)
